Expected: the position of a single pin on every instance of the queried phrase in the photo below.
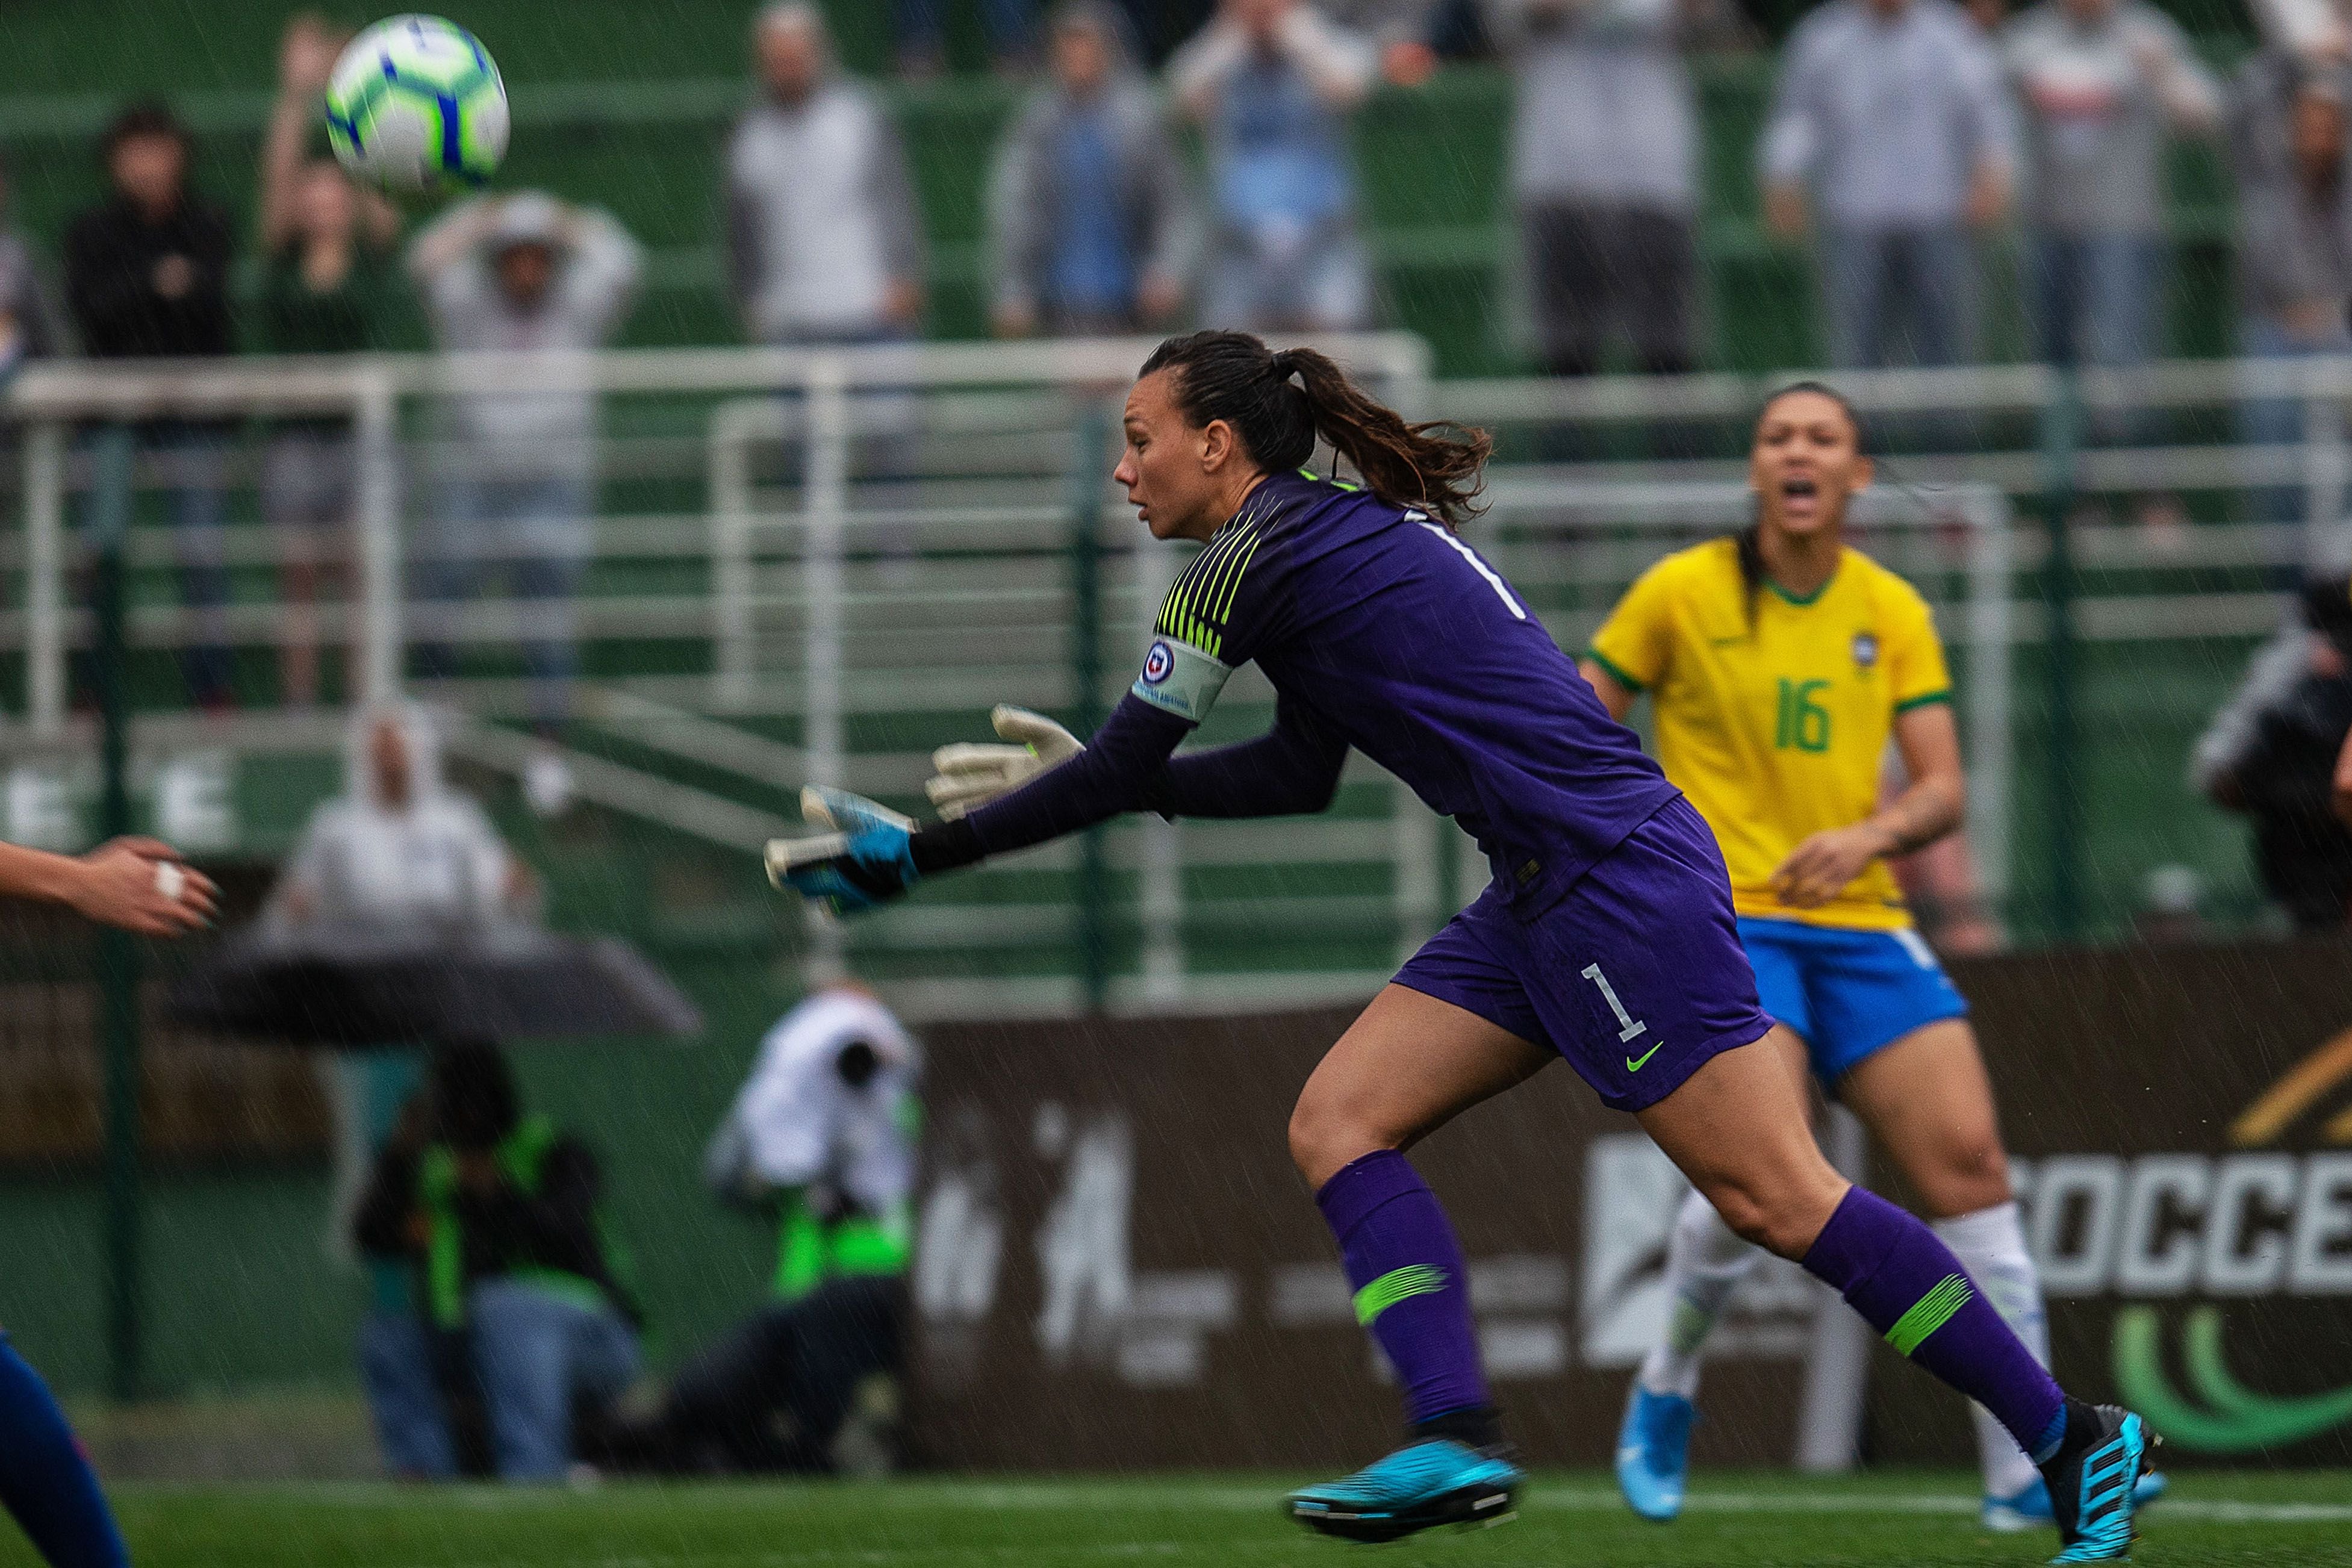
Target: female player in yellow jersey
(1780, 662)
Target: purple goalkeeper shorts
(1636, 976)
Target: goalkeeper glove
(867, 858)
(970, 775)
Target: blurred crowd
(1899, 131)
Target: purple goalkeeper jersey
(1381, 631)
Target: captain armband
(1180, 678)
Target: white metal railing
(784, 538)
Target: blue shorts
(1848, 993)
(1635, 976)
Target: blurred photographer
(500, 1215)
(822, 1138)
(2270, 754)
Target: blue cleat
(1432, 1482)
(2029, 1508)
(2095, 1482)
(1654, 1452)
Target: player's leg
(1418, 1056)
(1735, 1128)
(47, 1486)
(1705, 1260)
(1407, 1066)
(1905, 1062)
(1680, 1005)
(1927, 1101)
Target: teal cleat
(1432, 1482)
(2028, 1506)
(2095, 1482)
(1654, 1452)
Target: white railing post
(824, 526)
(730, 550)
(1990, 735)
(2325, 461)
(45, 622)
(375, 428)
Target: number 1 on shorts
(1629, 1026)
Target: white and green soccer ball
(415, 104)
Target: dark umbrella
(368, 986)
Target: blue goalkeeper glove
(867, 858)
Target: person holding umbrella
(396, 850)
(135, 885)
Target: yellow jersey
(1774, 717)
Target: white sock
(1704, 1263)
(1991, 1244)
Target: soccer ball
(415, 104)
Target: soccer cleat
(2028, 1506)
(1654, 1452)
(2095, 1482)
(1432, 1482)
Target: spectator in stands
(1889, 133)
(1090, 209)
(921, 26)
(501, 1215)
(825, 244)
(2099, 83)
(397, 848)
(1271, 82)
(30, 325)
(147, 275)
(1605, 171)
(326, 248)
(820, 1139)
(2271, 753)
(2319, 32)
(2294, 235)
(522, 273)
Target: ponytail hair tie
(1284, 364)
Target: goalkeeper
(1606, 937)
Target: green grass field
(1749, 1520)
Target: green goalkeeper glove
(973, 774)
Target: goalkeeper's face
(1180, 478)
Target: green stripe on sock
(1928, 1313)
(1688, 1330)
(1396, 1285)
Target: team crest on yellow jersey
(1866, 649)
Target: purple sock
(1907, 1285)
(1411, 1289)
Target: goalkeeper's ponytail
(1279, 401)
